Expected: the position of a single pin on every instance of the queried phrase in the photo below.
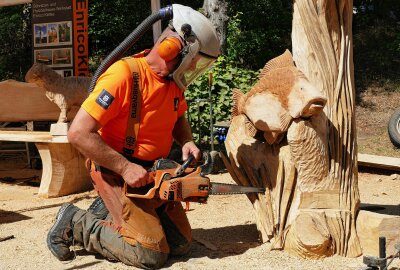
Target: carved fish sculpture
(281, 94)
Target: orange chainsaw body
(190, 187)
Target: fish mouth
(314, 107)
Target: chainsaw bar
(221, 189)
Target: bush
(226, 76)
(16, 38)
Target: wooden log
(322, 49)
(371, 225)
(20, 102)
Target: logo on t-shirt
(176, 103)
(104, 99)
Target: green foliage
(258, 31)
(226, 76)
(110, 22)
(15, 36)
(376, 35)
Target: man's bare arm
(182, 134)
(84, 137)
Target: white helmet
(201, 48)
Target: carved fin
(251, 130)
(286, 119)
(236, 97)
(283, 60)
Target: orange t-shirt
(162, 104)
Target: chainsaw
(175, 182)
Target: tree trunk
(310, 206)
(323, 49)
(216, 11)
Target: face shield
(193, 64)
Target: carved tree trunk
(216, 11)
(323, 50)
(309, 208)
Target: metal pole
(382, 249)
(198, 120)
(211, 110)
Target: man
(138, 232)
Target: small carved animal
(281, 94)
(64, 92)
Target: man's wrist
(186, 141)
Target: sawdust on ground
(224, 229)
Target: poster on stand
(60, 38)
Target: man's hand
(136, 176)
(190, 148)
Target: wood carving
(32, 105)
(281, 138)
(64, 92)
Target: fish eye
(301, 88)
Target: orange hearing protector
(169, 48)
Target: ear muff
(169, 48)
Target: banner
(81, 37)
(60, 37)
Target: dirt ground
(224, 229)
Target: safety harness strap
(133, 125)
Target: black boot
(60, 236)
(98, 208)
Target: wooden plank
(21, 102)
(13, 2)
(380, 162)
(31, 136)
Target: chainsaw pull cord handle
(184, 165)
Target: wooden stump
(308, 166)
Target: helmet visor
(197, 66)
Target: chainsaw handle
(184, 165)
(148, 191)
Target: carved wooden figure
(281, 138)
(64, 92)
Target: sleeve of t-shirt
(183, 107)
(110, 93)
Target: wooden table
(64, 170)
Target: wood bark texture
(217, 12)
(305, 157)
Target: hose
(163, 14)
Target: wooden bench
(64, 170)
